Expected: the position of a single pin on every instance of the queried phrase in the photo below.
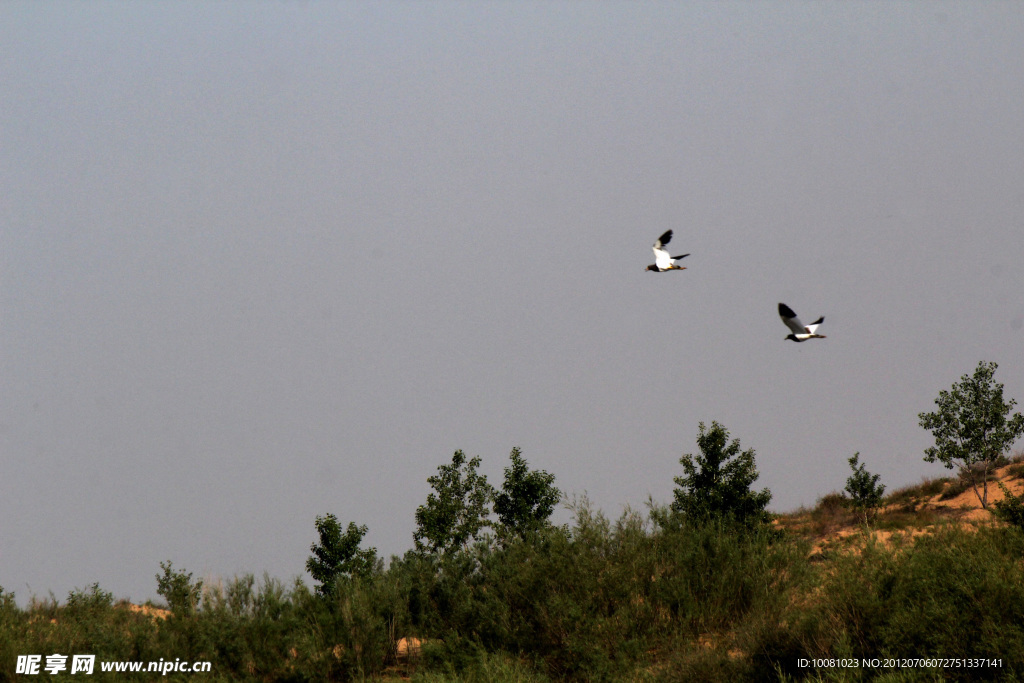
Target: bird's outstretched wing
(813, 327)
(788, 316)
(665, 238)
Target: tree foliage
(863, 487)
(177, 588)
(716, 484)
(973, 426)
(457, 510)
(527, 498)
(338, 554)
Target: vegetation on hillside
(709, 587)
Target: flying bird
(801, 332)
(662, 261)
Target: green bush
(831, 512)
(178, 589)
(1010, 509)
(13, 628)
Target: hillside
(633, 599)
(913, 509)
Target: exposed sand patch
(149, 611)
(408, 647)
(968, 501)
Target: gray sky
(265, 261)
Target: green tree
(716, 483)
(338, 554)
(177, 588)
(526, 499)
(973, 427)
(863, 487)
(457, 510)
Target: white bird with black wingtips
(662, 260)
(801, 332)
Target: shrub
(13, 633)
(177, 588)
(830, 512)
(91, 601)
(1010, 509)
(933, 487)
(953, 593)
(956, 487)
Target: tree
(338, 554)
(716, 484)
(176, 587)
(864, 489)
(458, 508)
(973, 427)
(526, 499)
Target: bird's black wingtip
(785, 311)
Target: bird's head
(793, 338)
(653, 267)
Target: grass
(912, 496)
(1014, 471)
(901, 519)
(831, 513)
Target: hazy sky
(262, 261)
